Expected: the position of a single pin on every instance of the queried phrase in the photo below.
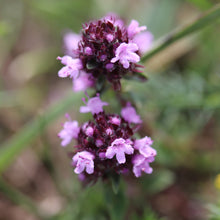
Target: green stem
(174, 36)
(20, 199)
(115, 202)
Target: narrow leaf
(207, 19)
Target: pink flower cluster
(106, 144)
(105, 47)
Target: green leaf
(10, 150)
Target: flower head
(106, 47)
(106, 144)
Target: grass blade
(209, 17)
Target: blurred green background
(180, 105)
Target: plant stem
(204, 20)
(115, 203)
(20, 199)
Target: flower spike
(106, 48)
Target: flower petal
(128, 149)
(144, 41)
(110, 152)
(90, 167)
(120, 156)
(130, 115)
(64, 72)
(79, 168)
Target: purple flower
(144, 147)
(115, 19)
(89, 131)
(144, 41)
(83, 161)
(115, 120)
(102, 155)
(98, 143)
(125, 53)
(81, 177)
(141, 163)
(130, 115)
(88, 51)
(105, 48)
(134, 29)
(70, 131)
(106, 144)
(103, 37)
(94, 105)
(119, 147)
(109, 37)
(71, 41)
(82, 82)
(71, 68)
(109, 131)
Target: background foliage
(179, 103)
